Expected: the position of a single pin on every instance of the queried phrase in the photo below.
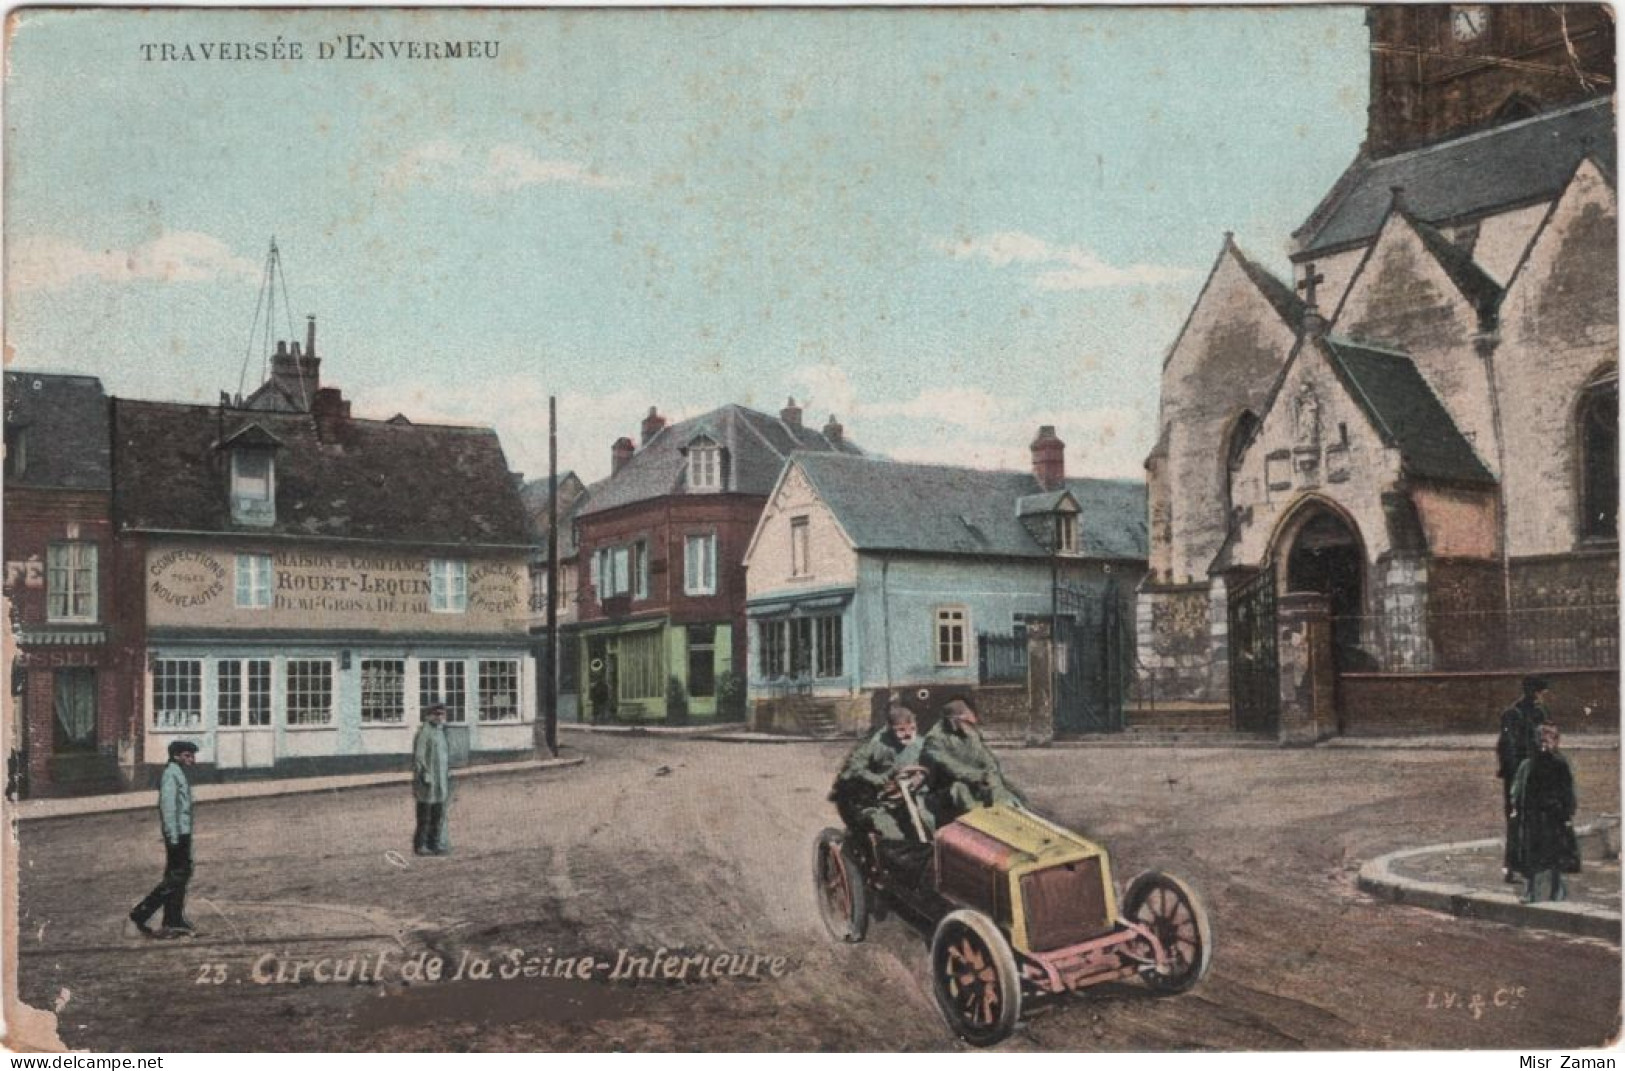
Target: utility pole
(551, 712)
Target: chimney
(791, 414)
(310, 336)
(652, 425)
(620, 454)
(331, 413)
(1049, 459)
(297, 374)
(834, 432)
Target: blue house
(868, 577)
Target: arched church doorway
(1326, 558)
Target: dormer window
(252, 451)
(253, 487)
(1066, 533)
(704, 467)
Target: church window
(1599, 461)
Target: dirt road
(700, 851)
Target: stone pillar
(1040, 727)
(1308, 671)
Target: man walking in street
(175, 822)
(431, 782)
(964, 772)
(1519, 740)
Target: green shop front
(654, 671)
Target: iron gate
(1095, 660)
(1255, 686)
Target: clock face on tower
(1468, 22)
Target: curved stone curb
(1378, 878)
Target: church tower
(1442, 69)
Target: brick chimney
(298, 375)
(791, 414)
(834, 432)
(620, 454)
(652, 425)
(1049, 459)
(331, 412)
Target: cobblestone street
(667, 847)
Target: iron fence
(1412, 639)
(1001, 658)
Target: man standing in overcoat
(175, 822)
(431, 782)
(1519, 739)
(1543, 803)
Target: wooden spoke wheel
(843, 901)
(1175, 916)
(973, 973)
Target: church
(1385, 489)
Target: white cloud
(1067, 267)
(48, 262)
(504, 168)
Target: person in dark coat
(175, 822)
(868, 792)
(1543, 813)
(1519, 739)
(964, 773)
(431, 782)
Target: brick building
(662, 544)
(70, 677)
(1409, 453)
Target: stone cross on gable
(1311, 279)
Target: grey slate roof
(401, 483)
(1406, 413)
(1474, 175)
(755, 448)
(1474, 283)
(938, 509)
(64, 424)
(1288, 305)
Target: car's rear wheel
(1174, 914)
(973, 973)
(838, 881)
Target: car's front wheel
(1174, 914)
(973, 973)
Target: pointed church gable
(1316, 441)
(1559, 333)
(1418, 294)
(1231, 349)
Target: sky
(947, 227)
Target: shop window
(310, 691)
(243, 692)
(383, 691)
(771, 644)
(446, 681)
(827, 631)
(177, 693)
(499, 690)
(70, 581)
(75, 702)
(448, 586)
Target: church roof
(941, 509)
(1492, 170)
(1407, 414)
(1474, 283)
(1281, 296)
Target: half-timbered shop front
(311, 582)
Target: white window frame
(289, 693)
(384, 702)
(639, 568)
(448, 585)
(177, 693)
(700, 563)
(772, 648)
(491, 671)
(71, 580)
(704, 468)
(448, 682)
(253, 582)
(1066, 533)
(946, 620)
(253, 501)
(250, 693)
(800, 547)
